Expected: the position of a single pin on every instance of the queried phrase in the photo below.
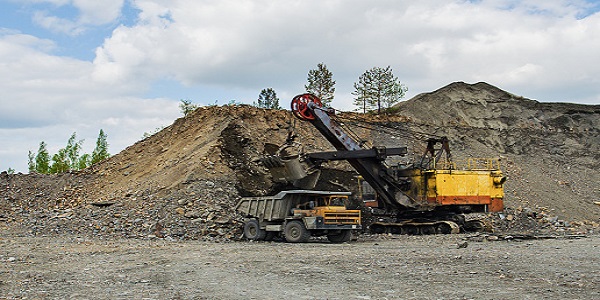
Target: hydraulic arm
(367, 162)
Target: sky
(124, 65)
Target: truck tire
(342, 237)
(295, 232)
(253, 232)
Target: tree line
(68, 158)
(376, 90)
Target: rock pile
(540, 221)
(56, 204)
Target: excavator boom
(371, 167)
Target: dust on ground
(398, 267)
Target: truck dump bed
(277, 207)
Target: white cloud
(45, 97)
(96, 12)
(57, 24)
(257, 43)
(90, 13)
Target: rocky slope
(551, 151)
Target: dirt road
(400, 267)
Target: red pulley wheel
(300, 106)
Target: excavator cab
(366, 193)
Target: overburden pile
(184, 181)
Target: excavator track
(412, 227)
(478, 226)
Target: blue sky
(123, 65)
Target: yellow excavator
(435, 195)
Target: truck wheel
(295, 232)
(342, 237)
(253, 232)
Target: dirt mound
(184, 181)
(482, 105)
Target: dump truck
(299, 214)
(429, 196)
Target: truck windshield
(335, 200)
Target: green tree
(10, 171)
(186, 106)
(42, 159)
(101, 151)
(60, 162)
(67, 158)
(72, 151)
(233, 102)
(321, 84)
(361, 100)
(377, 88)
(31, 161)
(85, 160)
(267, 99)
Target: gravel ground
(373, 267)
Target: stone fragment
(192, 214)
(223, 220)
(491, 238)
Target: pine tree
(267, 99)
(378, 87)
(101, 151)
(321, 84)
(361, 100)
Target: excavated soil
(130, 219)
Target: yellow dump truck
(298, 215)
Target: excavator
(431, 196)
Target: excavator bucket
(288, 166)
